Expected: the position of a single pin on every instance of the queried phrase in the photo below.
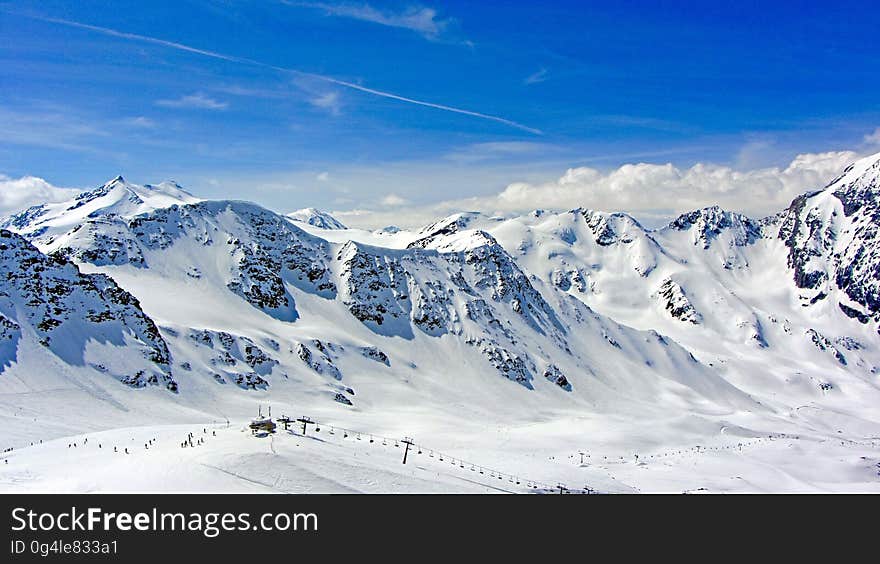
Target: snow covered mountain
(80, 318)
(833, 242)
(316, 218)
(115, 198)
(716, 321)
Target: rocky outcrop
(67, 309)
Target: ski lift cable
(453, 460)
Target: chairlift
(345, 434)
(331, 431)
(359, 436)
(420, 450)
(317, 429)
(396, 444)
(371, 438)
(384, 443)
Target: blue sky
(296, 104)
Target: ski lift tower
(306, 421)
(408, 442)
(286, 421)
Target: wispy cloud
(140, 121)
(873, 138)
(54, 127)
(498, 150)
(419, 19)
(246, 61)
(536, 77)
(196, 101)
(328, 101)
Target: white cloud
(392, 200)
(17, 194)
(323, 176)
(649, 187)
(328, 101)
(419, 19)
(197, 101)
(873, 138)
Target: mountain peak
(316, 218)
(710, 222)
(859, 185)
(116, 197)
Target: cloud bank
(648, 191)
(17, 194)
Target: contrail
(246, 61)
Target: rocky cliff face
(66, 310)
(832, 236)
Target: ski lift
(384, 443)
(420, 450)
(331, 431)
(396, 444)
(371, 438)
(359, 436)
(345, 434)
(431, 454)
(517, 482)
(481, 470)
(462, 465)
(441, 458)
